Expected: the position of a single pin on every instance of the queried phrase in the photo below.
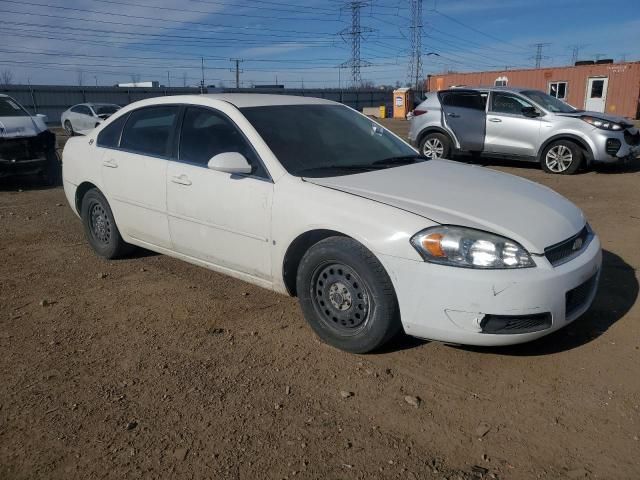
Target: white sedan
(86, 116)
(310, 198)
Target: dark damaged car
(27, 147)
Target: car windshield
(10, 108)
(105, 109)
(548, 102)
(327, 140)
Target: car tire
(69, 128)
(562, 157)
(100, 226)
(435, 146)
(347, 296)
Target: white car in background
(310, 198)
(86, 116)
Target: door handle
(453, 115)
(111, 163)
(181, 180)
(495, 120)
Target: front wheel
(100, 227)
(69, 128)
(562, 157)
(435, 146)
(347, 296)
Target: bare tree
(135, 78)
(79, 77)
(6, 77)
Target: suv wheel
(562, 157)
(435, 146)
(100, 227)
(346, 295)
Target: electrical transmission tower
(415, 63)
(353, 34)
(539, 57)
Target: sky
(297, 44)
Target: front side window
(148, 130)
(558, 90)
(502, 102)
(327, 140)
(11, 108)
(109, 136)
(206, 133)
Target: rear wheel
(346, 295)
(69, 128)
(562, 157)
(100, 227)
(435, 146)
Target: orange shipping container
(612, 88)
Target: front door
(509, 130)
(596, 99)
(463, 112)
(134, 174)
(216, 217)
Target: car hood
(14, 127)
(452, 193)
(604, 116)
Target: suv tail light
(417, 113)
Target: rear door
(463, 112)
(134, 174)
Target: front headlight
(469, 248)
(601, 123)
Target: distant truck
(153, 84)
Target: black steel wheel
(100, 226)
(347, 296)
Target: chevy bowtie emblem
(577, 244)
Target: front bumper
(615, 147)
(31, 166)
(449, 304)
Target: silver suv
(520, 123)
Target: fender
(433, 128)
(583, 142)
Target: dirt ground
(152, 368)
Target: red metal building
(604, 87)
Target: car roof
(492, 88)
(243, 100)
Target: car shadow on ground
(617, 293)
(20, 183)
(601, 168)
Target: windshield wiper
(345, 168)
(402, 160)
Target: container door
(596, 94)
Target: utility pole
(575, 53)
(202, 81)
(354, 35)
(539, 57)
(168, 80)
(95, 77)
(415, 63)
(237, 69)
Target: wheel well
(296, 251)
(586, 150)
(81, 191)
(429, 130)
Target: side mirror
(230, 162)
(43, 117)
(530, 112)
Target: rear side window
(206, 133)
(109, 137)
(472, 100)
(148, 131)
